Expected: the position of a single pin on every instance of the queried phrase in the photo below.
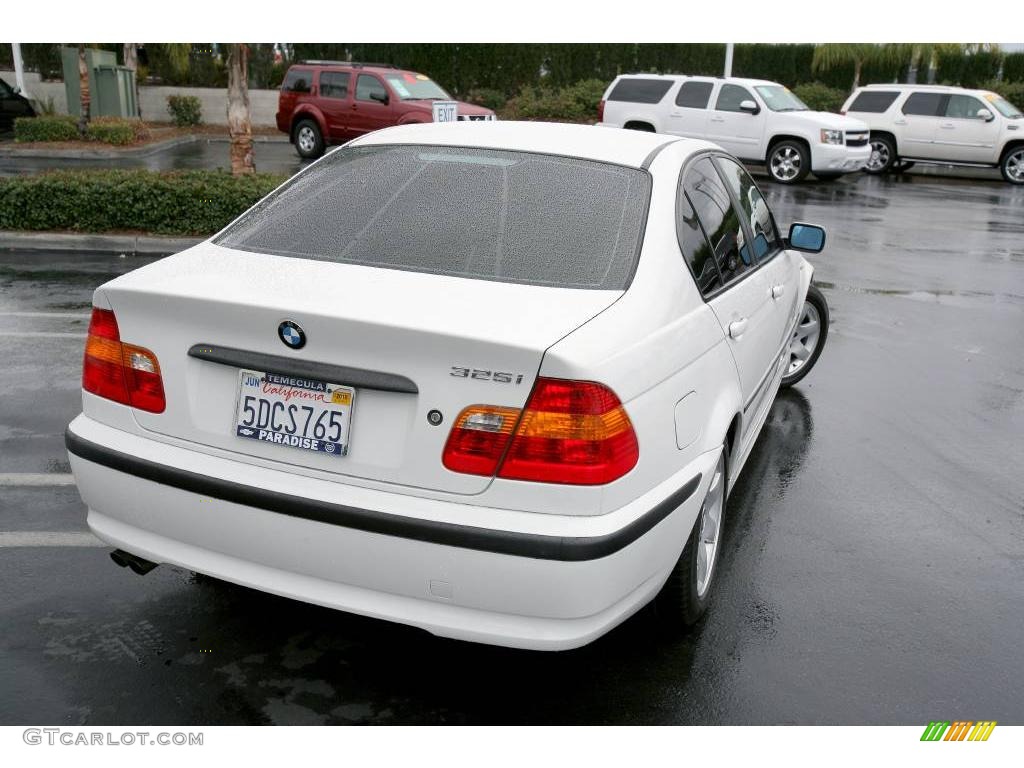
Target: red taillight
(600, 111)
(571, 432)
(120, 372)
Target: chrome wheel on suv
(883, 155)
(788, 162)
(1013, 165)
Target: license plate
(302, 413)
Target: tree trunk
(131, 60)
(239, 120)
(856, 73)
(83, 87)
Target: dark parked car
(330, 102)
(12, 105)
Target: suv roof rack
(354, 64)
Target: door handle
(778, 291)
(737, 328)
(675, 114)
(717, 119)
(899, 122)
(355, 106)
(948, 126)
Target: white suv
(940, 124)
(756, 120)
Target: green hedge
(576, 102)
(1013, 67)
(821, 97)
(167, 203)
(185, 110)
(46, 128)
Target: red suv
(329, 102)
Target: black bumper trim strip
(537, 546)
(291, 366)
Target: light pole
(19, 70)
(728, 60)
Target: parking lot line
(43, 334)
(69, 315)
(35, 479)
(49, 539)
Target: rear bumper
(839, 159)
(539, 581)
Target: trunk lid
(409, 325)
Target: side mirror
(986, 115)
(749, 106)
(381, 96)
(807, 237)
(16, 89)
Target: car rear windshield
(873, 101)
(639, 90)
(465, 212)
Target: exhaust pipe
(139, 565)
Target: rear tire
(808, 338)
(883, 155)
(789, 162)
(309, 141)
(686, 594)
(1012, 164)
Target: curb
(134, 245)
(114, 154)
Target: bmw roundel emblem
(291, 334)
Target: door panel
(917, 124)
(366, 114)
(963, 136)
(336, 103)
(689, 113)
(740, 133)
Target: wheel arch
(1009, 145)
(886, 135)
(640, 125)
(309, 113)
(786, 137)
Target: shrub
(167, 203)
(46, 128)
(113, 130)
(491, 98)
(185, 110)
(573, 103)
(821, 97)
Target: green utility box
(111, 88)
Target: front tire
(789, 162)
(309, 141)
(883, 155)
(1012, 165)
(808, 337)
(686, 594)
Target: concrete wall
(153, 100)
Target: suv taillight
(571, 432)
(600, 111)
(120, 372)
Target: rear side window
(694, 94)
(720, 221)
(731, 96)
(334, 85)
(639, 90)
(298, 81)
(928, 104)
(695, 247)
(463, 212)
(873, 101)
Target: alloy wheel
(1015, 166)
(710, 533)
(879, 156)
(805, 338)
(306, 139)
(785, 163)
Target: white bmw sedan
(491, 380)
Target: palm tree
(83, 90)
(832, 55)
(239, 119)
(926, 55)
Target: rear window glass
(924, 104)
(694, 94)
(465, 212)
(639, 90)
(298, 80)
(873, 101)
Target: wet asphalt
(873, 569)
